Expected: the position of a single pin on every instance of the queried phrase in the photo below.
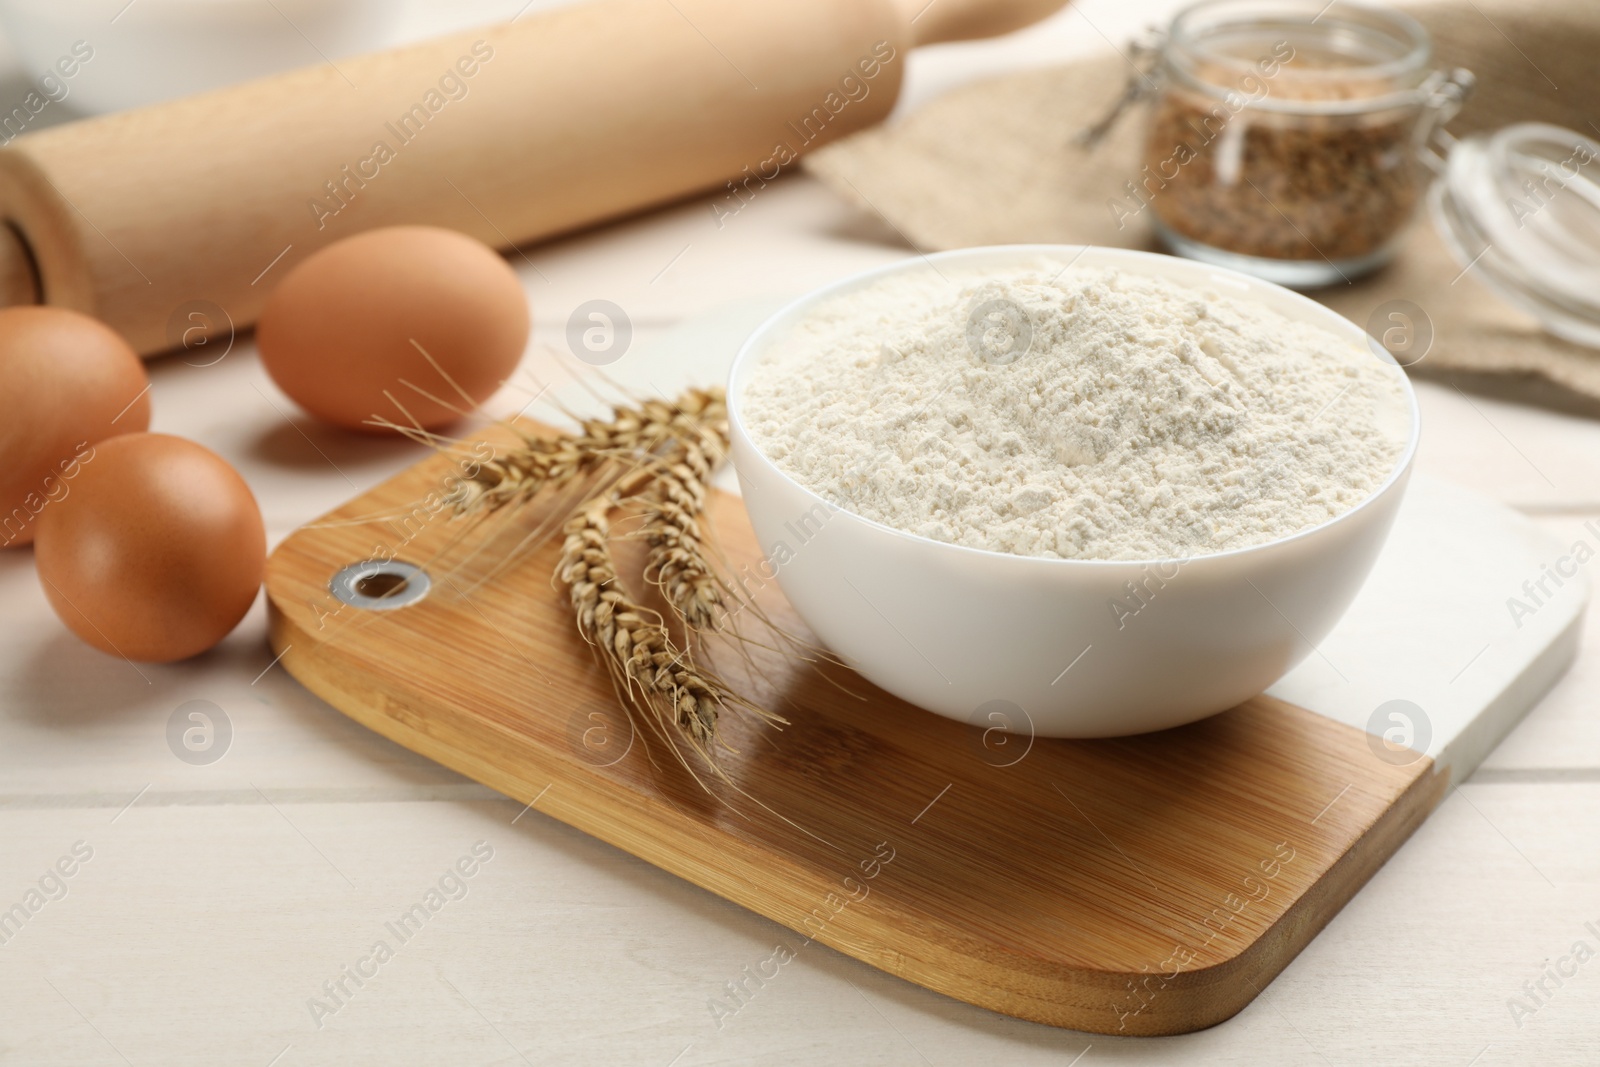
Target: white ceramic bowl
(123, 55)
(1032, 644)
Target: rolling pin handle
(935, 21)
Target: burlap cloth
(995, 163)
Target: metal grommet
(380, 585)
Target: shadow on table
(1529, 389)
(67, 684)
(302, 443)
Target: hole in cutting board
(380, 585)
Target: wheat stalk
(651, 674)
(517, 475)
(678, 561)
(659, 457)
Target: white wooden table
(216, 900)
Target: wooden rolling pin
(511, 133)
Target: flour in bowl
(1080, 414)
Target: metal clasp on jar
(1144, 82)
(1444, 95)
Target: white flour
(1145, 420)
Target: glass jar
(1291, 139)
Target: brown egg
(66, 382)
(157, 552)
(354, 320)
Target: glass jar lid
(1520, 207)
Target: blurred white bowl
(152, 50)
(1030, 644)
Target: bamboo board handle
(510, 134)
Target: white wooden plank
(75, 721)
(196, 934)
(1530, 457)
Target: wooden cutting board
(1149, 885)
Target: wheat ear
(650, 673)
(518, 474)
(677, 560)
